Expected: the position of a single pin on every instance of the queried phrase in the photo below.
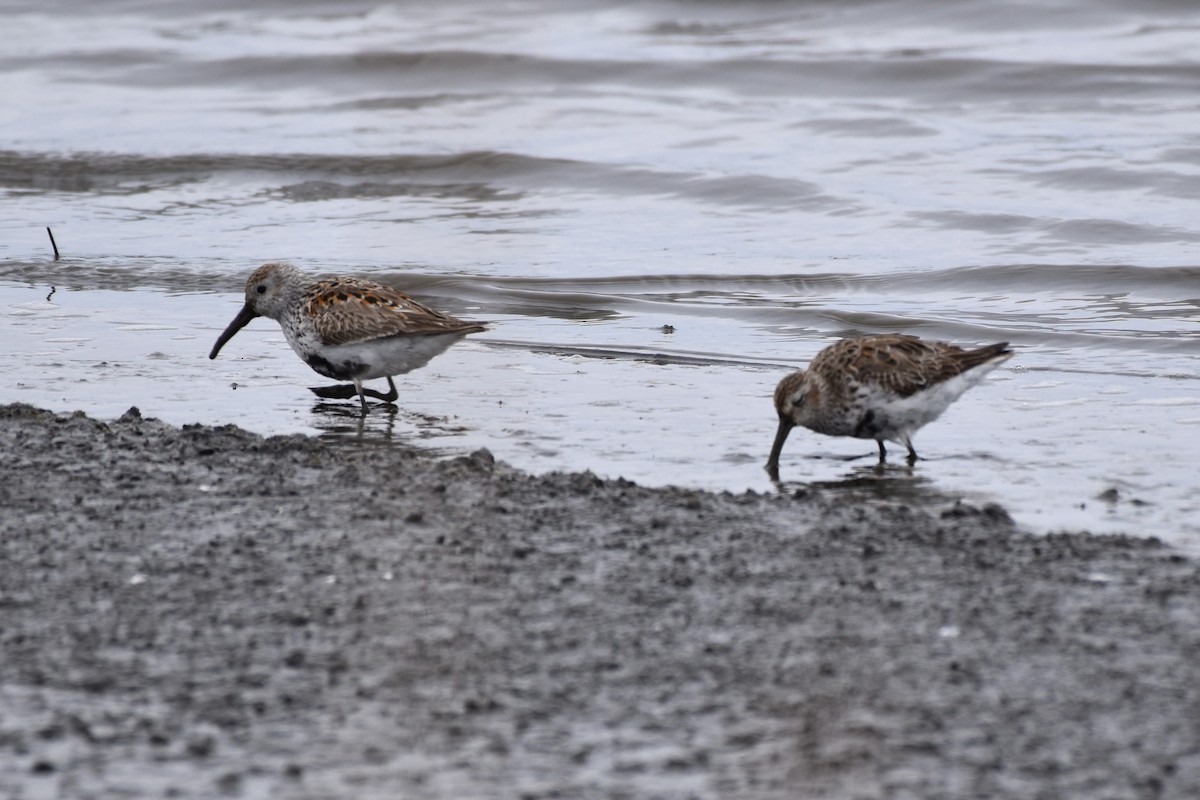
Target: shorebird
(879, 387)
(347, 328)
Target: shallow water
(763, 178)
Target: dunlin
(346, 328)
(879, 387)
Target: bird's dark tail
(992, 352)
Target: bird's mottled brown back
(346, 311)
(898, 363)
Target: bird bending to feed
(346, 328)
(879, 387)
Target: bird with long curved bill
(347, 328)
(879, 387)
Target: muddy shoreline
(203, 612)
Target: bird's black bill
(785, 427)
(245, 315)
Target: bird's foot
(388, 397)
(344, 391)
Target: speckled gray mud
(203, 612)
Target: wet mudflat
(204, 612)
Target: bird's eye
(261, 289)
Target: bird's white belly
(898, 417)
(394, 355)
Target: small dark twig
(52, 242)
(53, 289)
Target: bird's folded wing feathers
(906, 365)
(345, 314)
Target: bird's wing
(905, 365)
(350, 311)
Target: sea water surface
(661, 207)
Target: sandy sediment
(203, 612)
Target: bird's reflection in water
(345, 422)
(876, 482)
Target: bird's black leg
(346, 391)
(391, 396)
(912, 455)
(882, 451)
(362, 397)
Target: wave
(707, 292)
(892, 74)
(1084, 231)
(307, 177)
